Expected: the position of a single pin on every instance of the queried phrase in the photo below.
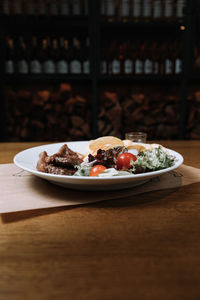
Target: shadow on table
(151, 198)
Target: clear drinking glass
(136, 136)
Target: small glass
(136, 136)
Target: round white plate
(27, 160)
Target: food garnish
(96, 170)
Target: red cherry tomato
(124, 160)
(96, 170)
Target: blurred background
(79, 69)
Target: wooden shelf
(30, 23)
(145, 25)
(45, 78)
(81, 77)
(132, 78)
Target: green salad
(155, 159)
(119, 162)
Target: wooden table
(142, 248)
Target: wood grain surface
(146, 247)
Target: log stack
(110, 115)
(45, 115)
(157, 115)
(193, 124)
(62, 114)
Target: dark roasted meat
(59, 171)
(61, 163)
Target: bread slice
(104, 143)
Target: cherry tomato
(124, 160)
(96, 170)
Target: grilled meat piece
(61, 163)
(59, 170)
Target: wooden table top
(142, 248)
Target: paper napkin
(21, 190)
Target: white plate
(27, 160)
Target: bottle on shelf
(75, 62)
(168, 61)
(65, 7)
(86, 60)
(35, 57)
(9, 56)
(6, 7)
(124, 10)
(136, 10)
(53, 7)
(17, 7)
(55, 53)
(11, 8)
(42, 8)
(48, 63)
(110, 10)
(147, 10)
(162, 53)
(178, 63)
(128, 59)
(114, 67)
(30, 8)
(155, 58)
(76, 7)
(104, 61)
(109, 55)
(180, 4)
(168, 11)
(24, 7)
(63, 60)
(22, 57)
(121, 56)
(139, 60)
(157, 10)
(86, 7)
(45, 7)
(148, 63)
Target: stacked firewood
(193, 124)
(158, 115)
(45, 115)
(110, 115)
(62, 114)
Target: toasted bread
(104, 143)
